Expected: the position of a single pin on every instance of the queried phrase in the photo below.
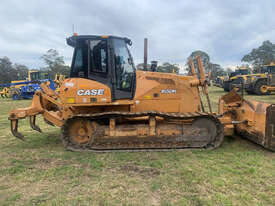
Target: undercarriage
(141, 131)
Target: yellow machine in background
(236, 78)
(58, 80)
(262, 84)
(32, 76)
(5, 92)
(219, 81)
(15, 86)
(18, 89)
(242, 79)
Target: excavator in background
(106, 105)
(262, 84)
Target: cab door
(91, 60)
(124, 78)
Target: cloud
(226, 30)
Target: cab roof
(71, 41)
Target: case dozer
(106, 104)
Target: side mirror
(128, 41)
(130, 61)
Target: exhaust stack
(145, 54)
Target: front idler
(14, 130)
(33, 125)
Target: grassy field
(40, 172)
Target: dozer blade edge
(254, 120)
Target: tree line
(263, 55)
(54, 64)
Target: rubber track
(160, 145)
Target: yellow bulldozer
(242, 77)
(235, 79)
(106, 104)
(262, 84)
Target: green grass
(40, 172)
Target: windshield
(243, 71)
(233, 74)
(44, 75)
(271, 69)
(35, 76)
(39, 76)
(123, 66)
(264, 69)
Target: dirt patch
(47, 163)
(148, 172)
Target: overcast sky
(225, 29)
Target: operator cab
(38, 75)
(270, 69)
(242, 71)
(105, 59)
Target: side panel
(165, 93)
(84, 91)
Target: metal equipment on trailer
(25, 89)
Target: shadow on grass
(52, 141)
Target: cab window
(124, 69)
(271, 69)
(78, 59)
(44, 75)
(98, 56)
(78, 68)
(264, 69)
(35, 76)
(78, 62)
